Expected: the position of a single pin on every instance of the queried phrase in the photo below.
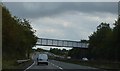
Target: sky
(65, 20)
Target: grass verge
(12, 64)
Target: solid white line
(29, 66)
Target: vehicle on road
(85, 59)
(42, 58)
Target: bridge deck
(61, 43)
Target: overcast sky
(59, 0)
(65, 20)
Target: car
(42, 58)
(85, 59)
(68, 57)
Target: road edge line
(29, 66)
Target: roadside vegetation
(17, 39)
(103, 50)
(104, 44)
(57, 51)
(104, 47)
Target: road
(54, 65)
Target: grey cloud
(42, 9)
(80, 15)
(80, 26)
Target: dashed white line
(29, 66)
(56, 66)
(60, 68)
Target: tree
(99, 41)
(17, 35)
(116, 39)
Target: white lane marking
(60, 68)
(56, 66)
(29, 66)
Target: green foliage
(40, 50)
(99, 40)
(17, 35)
(77, 53)
(58, 51)
(105, 42)
(116, 39)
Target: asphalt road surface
(54, 65)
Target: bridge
(61, 43)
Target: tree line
(59, 51)
(104, 44)
(17, 36)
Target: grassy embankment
(12, 63)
